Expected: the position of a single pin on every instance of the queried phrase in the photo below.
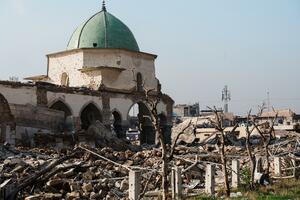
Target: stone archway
(89, 115)
(61, 106)
(6, 118)
(142, 121)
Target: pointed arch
(142, 108)
(6, 118)
(61, 105)
(89, 114)
(142, 121)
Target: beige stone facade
(113, 68)
(47, 108)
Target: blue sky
(253, 46)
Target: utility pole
(226, 97)
(268, 93)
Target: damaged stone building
(99, 77)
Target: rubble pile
(97, 135)
(102, 173)
(83, 175)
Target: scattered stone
(95, 195)
(95, 178)
(124, 185)
(55, 182)
(129, 163)
(34, 197)
(69, 173)
(88, 176)
(87, 187)
(72, 195)
(75, 187)
(118, 184)
(236, 195)
(52, 196)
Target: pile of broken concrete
(83, 172)
(71, 174)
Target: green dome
(103, 30)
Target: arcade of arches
(79, 109)
(138, 119)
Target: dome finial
(103, 6)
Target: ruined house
(184, 110)
(99, 77)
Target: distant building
(286, 119)
(286, 122)
(185, 110)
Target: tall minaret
(226, 97)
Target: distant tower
(226, 97)
(269, 104)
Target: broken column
(134, 184)
(210, 180)
(235, 173)
(176, 183)
(277, 166)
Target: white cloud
(18, 6)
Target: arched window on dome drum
(64, 79)
(139, 82)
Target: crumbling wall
(16, 93)
(30, 119)
(37, 117)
